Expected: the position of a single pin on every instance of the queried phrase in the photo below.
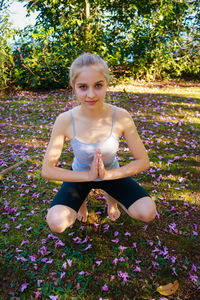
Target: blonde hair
(85, 60)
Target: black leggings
(124, 190)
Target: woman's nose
(91, 93)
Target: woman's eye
(98, 85)
(83, 87)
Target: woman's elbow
(147, 164)
(44, 172)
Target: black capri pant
(124, 190)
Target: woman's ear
(73, 88)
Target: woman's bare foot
(83, 213)
(113, 211)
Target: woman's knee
(56, 227)
(143, 209)
(60, 217)
(148, 216)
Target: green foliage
(152, 40)
(6, 57)
(40, 60)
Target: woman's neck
(95, 113)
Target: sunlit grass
(182, 89)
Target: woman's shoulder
(66, 115)
(63, 123)
(123, 119)
(122, 112)
(63, 120)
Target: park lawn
(102, 259)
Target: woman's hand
(101, 169)
(97, 168)
(93, 172)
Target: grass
(101, 259)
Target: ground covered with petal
(102, 259)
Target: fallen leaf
(168, 289)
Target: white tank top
(84, 152)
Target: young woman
(94, 128)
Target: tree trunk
(87, 9)
(87, 26)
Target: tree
(6, 57)
(151, 39)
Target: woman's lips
(91, 102)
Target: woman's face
(90, 86)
